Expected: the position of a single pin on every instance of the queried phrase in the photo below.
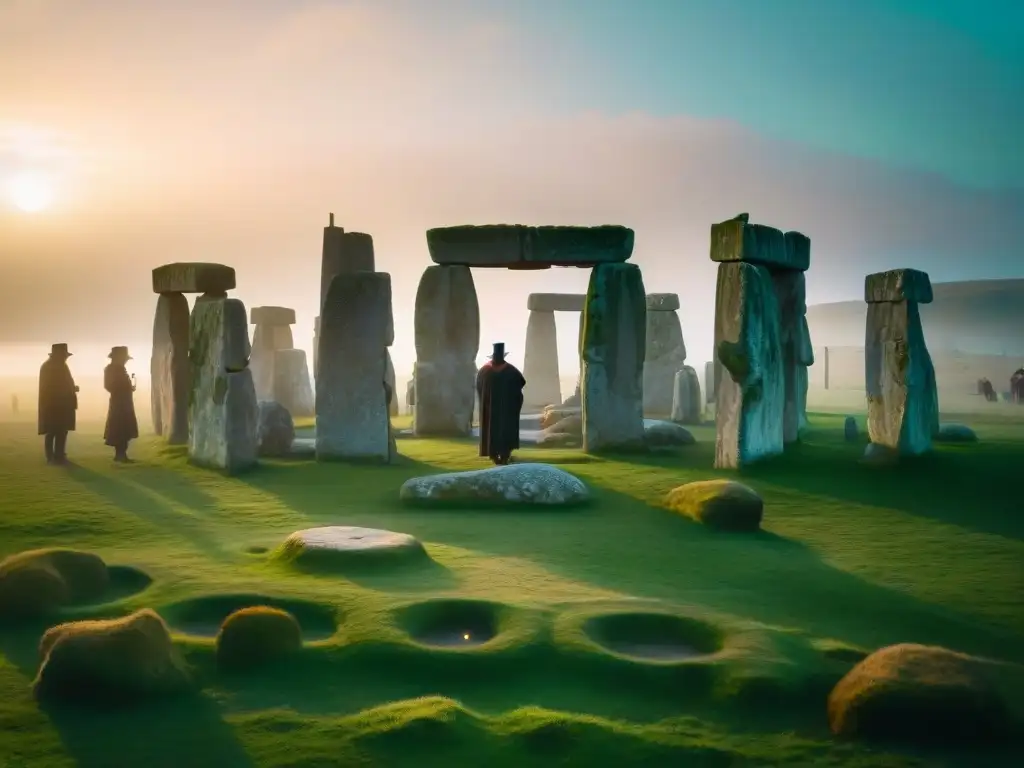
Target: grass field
(851, 558)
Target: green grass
(851, 558)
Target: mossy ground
(851, 558)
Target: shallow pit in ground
(125, 581)
(203, 616)
(653, 636)
(451, 623)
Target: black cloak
(122, 424)
(500, 388)
(58, 400)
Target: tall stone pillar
(899, 376)
(666, 352)
(273, 333)
(447, 331)
(613, 348)
(343, 252)
(797, 354)
(540, 358)
(750, 394)
(291, 383)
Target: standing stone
(351, 413)
(709, 381)
(224, 412)
(540, 361)
(343, 252)
(447, 333)
(291, 386)
(665, 354)
(797, 355)
(170, 376)
(750, 397)
(686, 402)
(899, 375)
(273, 332)
(613, 347)
(389, 377)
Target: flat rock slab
(662, 302)
(519, 246)
(272, 316)
(533, 484)
(898, 285)
(721, 504)
(344, 543)
(955, 433)
(556, 302)
(193, 277)
(738, 240)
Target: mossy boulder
(110, 660)
(721, 504)
(955, 433)
(918, 693)
(257, 635)
(39, 582)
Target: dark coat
(500, 388)
(122, 424)
(58, 398)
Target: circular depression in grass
(203, 616)
(653, 636)
(451, 623)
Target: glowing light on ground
(30, 192)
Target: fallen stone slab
(662, 302)
(271, 316)
(721, 504)
(528, 484)
(340, 545)
(193, 277)
(516, 245)
(898, 285)
(556, 302)
(738, 240)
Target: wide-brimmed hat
(499, 350)
(59, 350)
(119, 352)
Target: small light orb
(465, 635)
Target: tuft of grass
(256, 636)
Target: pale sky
(227, 131)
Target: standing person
(499, 384)
(1017, 386)
(122, 425)
(58, 402)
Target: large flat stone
(556, 302)
(898, 285)
(170, 373)
(662, 302)
(344, 545)
(536, 484)
(516, 245)
(193, 277)
(737, 240)
(272, 316)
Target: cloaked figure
(58, 404)
(499, 384)
(122, 425)
(1017, 386)
(986, 390)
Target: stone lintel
(516, 246)
(738, 240)
(898, 285)
(193, 277)
(556, 302)
(272, 316)
(662, 302)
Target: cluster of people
(58, 404)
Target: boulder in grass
(275, 430)
(720, 504)
(39, 582)
(255, 636)
(666, 434)
(521, 484)
(344, 545)
(955, 433)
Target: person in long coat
(58, 404)
(499, 385)
(122, 425)
(1017, 386)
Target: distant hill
(984, 317)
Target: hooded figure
(122, 424)
(499, 385)
(58, 402)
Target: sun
(30, 192)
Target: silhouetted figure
(499, 384)
(122, 425)
(58, 404)
(1017, 386)
(986, 389)
(15, 405)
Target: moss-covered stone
(37, 583)
(257, 635)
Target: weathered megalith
(540, 361)
(899, 376)
(223, 410)
(709, 381)
(686, 402)
(170, 373)
(273, 332)
(612, 352)
(514, 246)
(750, 396)
(447, 334)
(351, 413)
(666, 352)
(292, 387)
(316, 344)
(343, 252)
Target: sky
(888, 132)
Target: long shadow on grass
(172, 485)
(159, 513)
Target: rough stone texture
(899, 379)
(709, 381)
(275, 430)
(316, 344)
(850, 432)
(665, 434)
(344, 544)
(170, 374)
(879, 455)
(556, 302)
(686, 401)
(271, 316)
(540, 364)
(540, 484)
(517, 246)
(292, 387)
(662, 302)
(721, 504)
(447, 333)
(351, 413)
(664, 357)
(750, 397)
(798, 247)
(267, 340)
(955, 433)
(797, 354)
(193, 277)
(389, 377)
(898, 285)
(343, 252)
(223, 410)
(613, 348)
(737, 240)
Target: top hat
(499, 351)
(119, 352)
(59, 350)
